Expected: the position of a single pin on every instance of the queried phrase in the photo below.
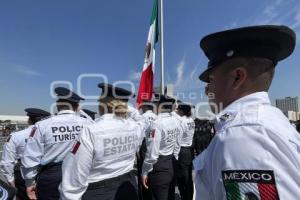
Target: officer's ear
(239, 76)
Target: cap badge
(230, 53)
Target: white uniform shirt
(164, 140)
(105, 150)
(50, 140)
(178, 117)
(151, 117)
(13, 150)
(188, 126)
(254, 155)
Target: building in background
(292, 116)
(15, 122)
(289, 106)
(169, 90)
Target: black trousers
(161, 179)
(123, 187)
(184, 174)
(48, 181)
(20, 183)
(144, 194)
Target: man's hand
(145, 181)
(31, 192)
(12, 184)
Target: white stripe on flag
(247, 188)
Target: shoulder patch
(75, 147)
(250, 185)
(227, 117)
(32, 132)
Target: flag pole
(162, 79)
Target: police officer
(163, 146)
(100, 165)
(147, 107)
(48, 144)
(186, 154)
(255, 152)
(13, 151)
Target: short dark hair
(147, 106)
(166, 106)
(185, 109)
(63, 104)
(260, 70)
(34, 119)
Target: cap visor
(204, 75)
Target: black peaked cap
(266, 41)
(66, 94)
(36, 112)
(109, 90)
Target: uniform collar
(165, 114)
(107, 115)
(111, 116)
(175, 113)
(230, 112)
(63, 112)
(149, 111)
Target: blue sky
(46, 41)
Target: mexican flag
(147, 77)
(250, 185)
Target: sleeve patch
(75, 147)
(250, 184)
(32, 131)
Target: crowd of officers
(72, 155)
(254, 154)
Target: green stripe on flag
(154, 12)
(154, 18)
(233, 191)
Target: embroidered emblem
(32, 131)
(250, 184)
(75, 147)
(152, 134)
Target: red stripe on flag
(146, 85)
(268, 191)
(75, 147)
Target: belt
(50, 165)
(185, 147)
(111, 181)
(166, 157)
